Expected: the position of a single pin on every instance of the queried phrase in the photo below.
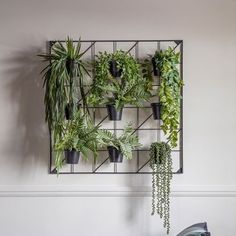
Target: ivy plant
(161, 164)
(78, 134)
(125, 143)
(169, 92)
(63, 81)
(129, 89)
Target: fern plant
(161, 164)
(78, 134)
(169, 92)
(63, 81)
(129, 89)
(125, 143)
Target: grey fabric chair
(199, 229)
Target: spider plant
(63, 81)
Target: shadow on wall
(29, 140)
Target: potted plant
(63, 80)
(121, 146)
(169, 92)
(156, 72)
(130, 88)
(161, 164)
(79, 136)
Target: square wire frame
(145, 126)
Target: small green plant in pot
(120, 146)
(79, 136)
(129, 88)
(63, 81)
(161, 165)
(169, 93)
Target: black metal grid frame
(95, 168)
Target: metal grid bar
(136, 46)
(120, 41)
(139, 168)
(114, 122)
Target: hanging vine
(161, 164)
(167, 63)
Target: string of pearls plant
(161, 164)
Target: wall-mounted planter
(156, 110)
(113, 113)
(72, 156)
(114, 155)
(135, 112)
(156, 72)
(114, 70)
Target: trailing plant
(125, 143)
(161, 164)
(169, 92)
(63, 81)
(129, 89)
(78, 134)
(146, 66)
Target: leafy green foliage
(79, 134)
(125, 143)
(129, 89)
(62, 77)
(161, 164)
(169, 92)
(146, 65)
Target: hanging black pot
(113, 113)
(114, 70)
(72, 156)
(114, 154)
(69, 110)
(156, 72)
(70, 65)
(156, 110)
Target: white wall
(35, 203)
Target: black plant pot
(156, 72)
(70, 65)
(69, 111)
(156, 110)
(114, 70)
(72, 156)
(113, 113)
(114, 154)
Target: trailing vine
(161, 164)
(130, 88)
(167, 62)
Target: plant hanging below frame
(161, 165)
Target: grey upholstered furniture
(199, 229)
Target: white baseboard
(113, 191)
